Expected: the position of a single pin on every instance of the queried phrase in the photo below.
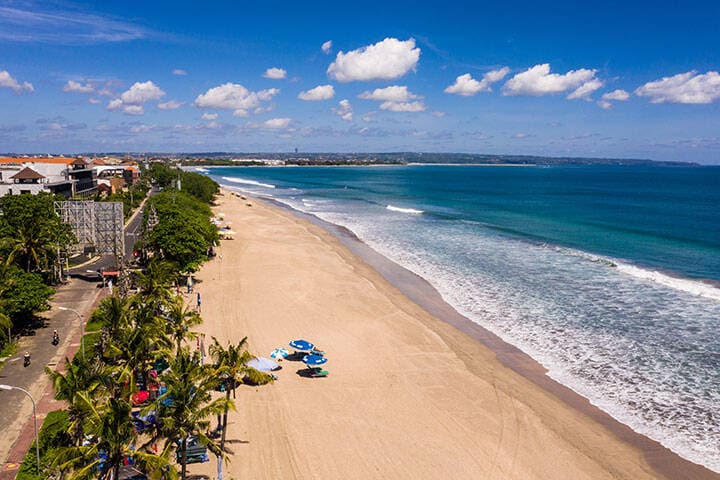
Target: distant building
(71, 177)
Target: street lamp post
(82, 327)
(37, 441)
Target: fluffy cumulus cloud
(141, 92)
(77, 87)
(276, 123)
(132, 100)
(209, 116)
(395, 98)
(233, 96)
(171, 105)
(689, 87)
(7, 81)
(538, 80)
(321, 92)
(467, 86)
(403, 106)
(275, 73)
(393, 93)
(344, 110)
(326, 47)
(385, 60)
(616, 95)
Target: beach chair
(317, 372)
(317, 351)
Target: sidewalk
(16, 420)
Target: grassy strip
(53, 434)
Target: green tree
(183, 411)
(179, 319)
(115, 440)
(32, 233)
(231, 369)
(26, 295)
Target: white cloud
(467, 86)
(538, 81)
(209, 116)
(276, 123)
(131, 101)
(321, 92)
(179, 71)
(275, 73)
(133, 109)
(618, 95)
(385, 60)
(326, 47)
(403, 106)
(344, 110)
(233, 96)
(73, 86)
(94, 101)
(393, 93)
(7, 81)
(689, 87)
(395, 98)
(171, 105)
(141, 92)
(621, 95)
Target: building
(70, 177)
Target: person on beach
(198, 301)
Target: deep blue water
(605, 274)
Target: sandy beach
(408, 396)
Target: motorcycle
(26, 359)
(56, 339)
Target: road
(81, 293)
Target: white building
(70, 177)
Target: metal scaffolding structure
(98, 226)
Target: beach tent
(279, 353)
(263, 364)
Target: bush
(53, 434)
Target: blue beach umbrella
(301, 345)
(311, 360)
(279, 353)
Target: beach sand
(408, 395)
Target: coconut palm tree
(113, 440)
(231, 368)
(184, 409)
(179, 319)
(80, 381)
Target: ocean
(609, 276)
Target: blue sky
(609, 79)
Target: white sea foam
(202, 170)
(247, 182)
(404, 210)
(693, 287)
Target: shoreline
(421, 292)
(422, 391)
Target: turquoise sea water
(607, 275)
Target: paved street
(82, 294)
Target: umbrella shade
(314, 360)
(263, 364)
(279, 353)
(301, 345)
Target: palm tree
(154, 283)
(179, 319)
(114, 440)
(183, 410)
(231, 369)
(80, 382)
